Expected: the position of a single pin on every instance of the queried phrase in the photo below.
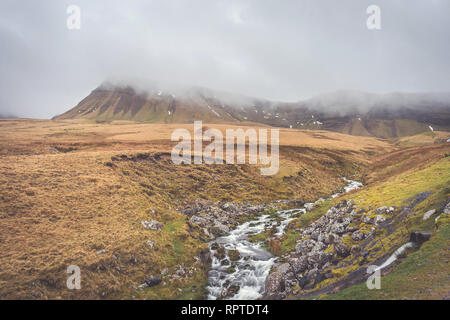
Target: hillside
(113, 179)
(361, 114)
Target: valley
(107, 198)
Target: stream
(248, 274)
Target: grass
(398, 191)
(59, 208)
(421, 275)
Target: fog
(278, 50)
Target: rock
(379, 219)
(419, 237)
(274, 283)
(428, 214)
(366, 218)
(150, 243)
(101, 251)
(234, 255)
(153, 281)
(219, 229)
(381, 210)
(317, 259)
(229, 206)
(341, 249)
(447, 208)
(220, 253)
(338, 228)
(205, 257)
(232, 290)
(152, 224)
(303, 281)
(309, 206)
(284, 268)
(358, 236)
(230, 269)
(355, 250)
(202, 222)
(299, 265)
(165, 271)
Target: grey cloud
(281, 50)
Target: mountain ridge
(360, 113)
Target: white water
(255, 262)
(395, 255)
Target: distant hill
(357, 113)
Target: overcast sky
(281, 50)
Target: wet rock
(152, 224)
(230, 269)
(220, 253)
(234, 255)
(153, 281)
(234, 289)
(428, 214)
(419, 237)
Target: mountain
(352, 112)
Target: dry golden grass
(60, 207)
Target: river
(252, 268)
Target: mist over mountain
(350, 102)
(352, 112)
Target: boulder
(419, 237)
(234, 255)
(152, 224)
(338, 228)
(219, 229)
(341, 249)
(381, 210)
(284, 268)
(153, 281)
(358, 236)
(274, 283)
(355, 250)
(428, 214)
(299, 265)
(379, 219)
